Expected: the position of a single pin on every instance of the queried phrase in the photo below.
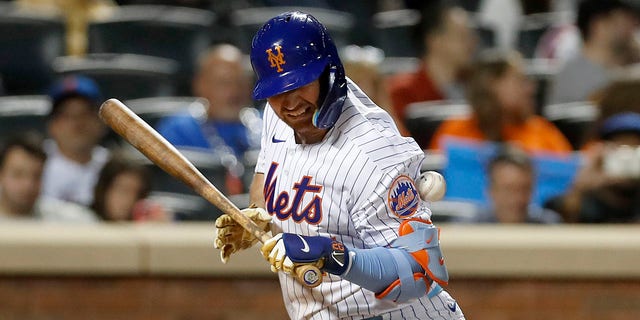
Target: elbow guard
(422, 240)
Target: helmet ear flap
(332, 97)
(325, 84)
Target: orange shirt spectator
(535, 135)
(502, 100)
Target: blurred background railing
(172, 272)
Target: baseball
(431, 186)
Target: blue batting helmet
(292, 50)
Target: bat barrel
(155, 147)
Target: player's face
(296, 108)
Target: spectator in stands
(607, 188)
(74, 154)
(361, 65)
(222, 80)
(502, 100)
(449, 45)
(511, 180)
(121, 193)
(622, 95)
(607, 29)
(232, 126)
(22, 161)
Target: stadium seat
(485, 33)
(423, 118)
(573, 119)
(176, 33)
(212, 165)
(466, 171)
(452, 211)
(433, 161)
(395, 65)
(394, 32)
(153, 109)
(23, 113)
(249, 20)
(533, 27)
(540, 71)
(470, 5)
(186, 207)
(28, 45)
(123, 76)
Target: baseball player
(335, 185)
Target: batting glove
(285, 251)
(231, 237)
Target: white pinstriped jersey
(340, 188)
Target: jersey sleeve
(383, 206)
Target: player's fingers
(226, 252)
(226, 236)
(259, 215)
(231, 234)
(277, 255)
(218, 243)
(268, 245)
(288, 265)
(225, 221)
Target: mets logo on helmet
(403, 198)
(276, 60)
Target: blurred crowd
(529, 108)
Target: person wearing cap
(74, 154)
(607, 188)
(335, 186)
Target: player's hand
(274, 252)
(231, 237)
(286, 251)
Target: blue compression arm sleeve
(375, 269)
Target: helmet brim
(291, 80)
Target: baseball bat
(155, 147)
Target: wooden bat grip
(155, 147)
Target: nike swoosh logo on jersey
(430, 239)
(441, 261)
(452, 307)
(274, 140)
(304, 249)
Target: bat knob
(309, 275)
